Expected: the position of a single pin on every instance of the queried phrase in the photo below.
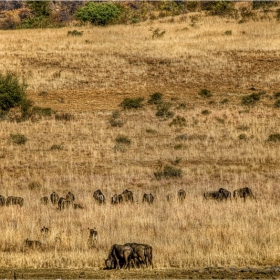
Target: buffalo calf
(149, 198)
(32, 244)
(181, 195)
(45, 231)
(92, 239)
(127, 196)
(70, 196)
(44, 200)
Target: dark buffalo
(99, 197)
(142, 253)
(70, 196)
(63, 203)
(149, 198)
(127, 196)
(181, 195)
(78, 206)
(92, 239)
(45, 231)
(13, 200)
(2, 200)
(215, 195)
(225, 193)
(44, 200)
(33, 244)
(119, 255)
(243, 193)
(116, 199)
(54, 198)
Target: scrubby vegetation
(99, 13)
(132, 103)
(43, 14)
(84, 141)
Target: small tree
(12, 92)
(98, 13)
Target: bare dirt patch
(202, 273)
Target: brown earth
(202, 273)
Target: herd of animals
(129, 254)
(125, 196)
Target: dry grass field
(226, 143)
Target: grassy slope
(89, 76)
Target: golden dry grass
(90, 79)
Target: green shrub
(38, 22)
(168, 172)
(116, 120)
(178, 121)
(157, 33)
(278, 14)
(258, 4)
(46, 112)
(98, 13)
(178, 146)
(205, 93)
(163, 110)
(182, 137)
(122, 143)
(181, 106)
(151, 131)
(75, 33)
(242, 136)
(122, 139)
(277, 104)
(26, 107)
(132, 103)
(224, 101)
(3, 115)
(206, 112)
(63, 117)
(274, 137)
(56, 147)
(251, 99)
(155, 98)
(228, 32)
(18, 139)
(200, 137)
(12, 92)
(192, 6)
(218, 8)
(39, 8)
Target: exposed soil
(201, 273)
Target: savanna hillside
(226, 137)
